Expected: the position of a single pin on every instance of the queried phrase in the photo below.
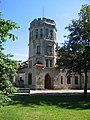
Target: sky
(24, 11)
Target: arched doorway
(47, 81)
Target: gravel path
(68, 91)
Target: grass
(47, 107)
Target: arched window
(76, 79)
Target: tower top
(42, 21)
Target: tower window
(46, 63)
(50, 63)
(51, 34)
(41, 33)
(68, 80)
(38, 50)
(36, 33)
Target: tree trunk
(85, 84)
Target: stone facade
(41, 72)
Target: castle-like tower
(42, 42)
(42, 54)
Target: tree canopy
(75, 52)
(7, 65)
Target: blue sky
(24, 11)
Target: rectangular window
(68, 80)
(46, 63)
(38, 50)
(41, 33)
(76, 79)
(61, 79)
(30, 79)
(50, 63)
(36, 33)
(51, 34)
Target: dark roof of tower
(43, 20)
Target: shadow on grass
(68, 101)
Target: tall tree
(7, 65)
(75, 52)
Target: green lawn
(47, 107)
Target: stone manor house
(40, 70)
